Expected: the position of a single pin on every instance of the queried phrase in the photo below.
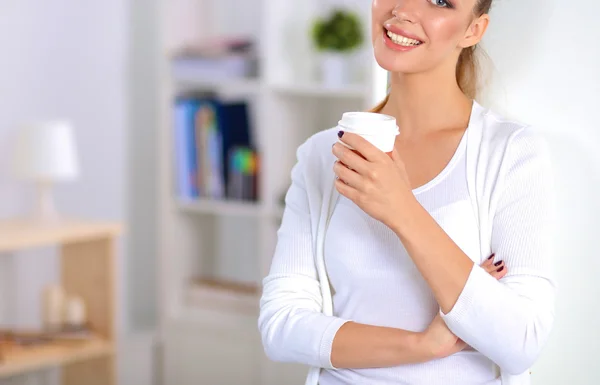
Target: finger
(396, 157)
(500, 272)
(357, 142)
(489, 261)
(351, 159)
(493, 268)
(347, 175)
(346, 190)
(460, 346)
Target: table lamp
(45, 153)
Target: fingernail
(340, 134)
(491, 256)
(500, 269)
(498, 263)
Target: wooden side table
(88, 251)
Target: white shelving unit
(209, 331)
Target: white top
(501, 170)
(376, 283)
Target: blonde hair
(467, 67)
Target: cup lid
(368, 122)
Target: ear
(475, 32)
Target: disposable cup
(378, 129)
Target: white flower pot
(335, 69)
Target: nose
(406, 10)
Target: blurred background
(145, 148)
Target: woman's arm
(363, 346)
(508, 321)
(358, 346)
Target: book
(185, 150)
(243, 174)
(209, 148)
(214, 154)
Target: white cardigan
(507, 321)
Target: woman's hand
(375, 182)
(438, 340)
(495, 269)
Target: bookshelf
(215, 252)
(88, 255)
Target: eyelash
(447, 4)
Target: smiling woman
(432, 265)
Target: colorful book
(214, 155)
(185, 148)
(209, 144)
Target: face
(411, 36)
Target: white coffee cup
(378, 129)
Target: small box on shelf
(223, 295)
(216, 60)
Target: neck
(427, 102)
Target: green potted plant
(336, 37)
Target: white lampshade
(46, 151)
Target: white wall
(62, 59)
(546, 55)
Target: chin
(396, 62)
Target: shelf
(226, 296)
(25, 359)
(223, 207)
(319, 90)
(228, 87)
(21, 234)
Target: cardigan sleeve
(509, 321)
(291, 323)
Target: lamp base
(45, 210)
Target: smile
(403, 40)
(399, 40)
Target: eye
(441, 3)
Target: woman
(389, 282)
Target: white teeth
(402, 40)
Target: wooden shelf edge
(52, 355)
(20, 234)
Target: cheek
(444, 31)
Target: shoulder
(317, 148)
(314, 162)
(514, 139)
(516, 150)
(321, 140)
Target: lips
(394, 29)
(399, 40)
